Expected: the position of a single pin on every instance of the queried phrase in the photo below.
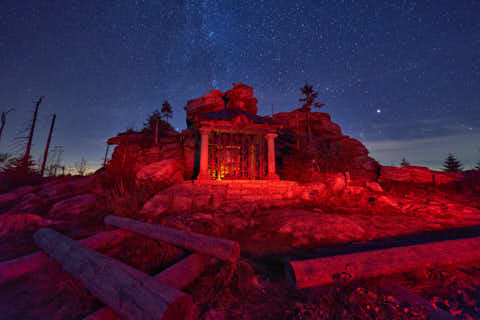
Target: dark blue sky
(401, 76)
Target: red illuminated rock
(11, 223)
(311, 143)
(9, 199)
(373, 186)
(416, 174)
(30, 203)
(73, 207)
(168, 171)
(239, 97)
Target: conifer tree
(167, 110)
(310, 97)
(404, 162)
(152, 119)
(451, 164)
(308, 100)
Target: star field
(401, 76)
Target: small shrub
(18, 173)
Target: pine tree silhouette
(451, 164)
(152, 120)
(167, 110)
(404, 162)
(310, 97)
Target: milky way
(401, 76)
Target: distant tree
(18, 172)
(81, 166)
(167, 110)
(310, 97)
(4, 158)
(154, 124)
(451, 164)
(404, 162)
(478, 165)
(55, 161)
(308, 100)
(152, 120)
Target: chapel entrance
(237, 156)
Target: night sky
(401, 76)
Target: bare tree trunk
(131, 293)
(309, 131)
(177, 276)
(156, 131)
(45, 155)
(370, 264)
(297, 131)
(222, 249)
(4, 119)
(32, 129)
(13, 269)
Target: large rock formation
(414, 174)
(311, 144)
(239, 97)
(137, 155)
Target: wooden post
(177, 276)
(2, 125)
(369, 264)
(45, 155)
(131, 293)
(32, 128)
(14, 269)
(4, 120)
(222, 249)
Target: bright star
(379, 111)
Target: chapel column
(271, 156)
(203, 173)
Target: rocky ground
(341, 201)
(290, 221)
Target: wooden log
(131, 293)
(176, 276)
(315, 272)
(222, 249)
(405, 296)
(13, 269)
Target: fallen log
(369, 264)
(131, 293)
(14, 269)
(405, 296)
(222, 249)
(176, 276)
